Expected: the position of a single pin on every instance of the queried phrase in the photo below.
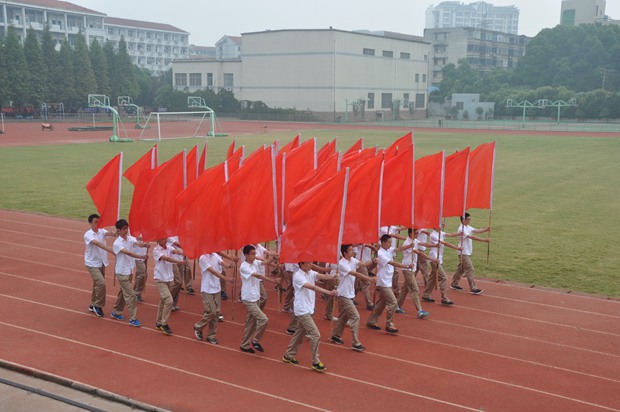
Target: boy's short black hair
(464, 217)
(121, 224)
(247, 249)
(385, 238)
(93, 217)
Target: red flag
(455, 184)
(158, 211)
(105, 191)
(480, 177)
(326, 151)
(397, 206)
(399, 145)
(297, 164)
(328, 170)
(429, 174)
(140, 175)
(357, 146)
(293, 144)
(202, 163)
(234, 162)
(231, 150)
(361, 219)
(191, 165)
(354, 159)
(314, 230)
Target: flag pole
(234, 294)
(488, 236)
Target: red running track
(513, 348)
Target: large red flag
(325, 152)
(328, 170)
(480, 177)
(397, 206)
(354, 159)
(191, 165)
(296, 164)
(399, 145)
(234, 162)
(202, 163)
(105, 191)
(429, 174)
(140, 175)
(314, 230)
(455, 184)
(159, 216)
(293, 144)
(231, 150)
(361, 219)
(357, 146)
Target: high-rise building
(576, 12)
(479, 15)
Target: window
(369, 52)
(386, 100)
(459, 105)
(195, 79)
(423, 78)
(371, 100)
(420, 98)
(405, 56)
(229, 80)
(417, 78)
(209, 79)
(388, 53)
(405, 100)
(180, 79)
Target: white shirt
(346, 286)
(250, 285)
(124, 263)
(422, 238)
(94, 256)
(410, 258)
(291, 267)
(210, 283)
(163, 269)
(434, 240)
(304, 297)
(362, 253)
(385, 271)
(464, 241)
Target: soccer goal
(177, 125)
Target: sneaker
(223, 295)
(358, 348)
(158, 326)
(375, 326)
(336, 340)
(213, 341)
(117, 316)
(476, 291)
(198, 334)
(391, 330)
(355, 302)
(246, 350)
(428, 299)
(287, 310)
(137, 324)
(400, 311)
(175, 308)
(370, 307)
(190, 291)
(335, 319)
(166, 329)
(447, 302)
(423, 314)
(456, 287)
(290, 332)
(220, 318)
(91, 308)
(319, 367)
(139, 298)
(98, 311)
(291, 361)
(258, 346)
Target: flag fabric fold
(480, 177)
(428, 189)
(105, 190)
(140, 175)
(397, 205)
(455, 184)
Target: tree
(37, 69)
(100, 68)
(3, 79)
(15, 66)
(50, 56)
(65, 91)
(124, 79)
(479, 112)
(84, 77)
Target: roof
(385, 34)
(116, 21)
(55, 4)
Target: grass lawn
(555, 207)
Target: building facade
(485, 50)
(480, 15)
(358, 75)
(576, 12)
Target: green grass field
(555, 208)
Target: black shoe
(391, 330)
(198, 334)
(190, 291)
(375, 327)
(291, 361)
(319, 367)
(158, 326)
(476, 291)
(223, 295)
(370, 307)
(91, 308)
(213, 341)
(290, 332)
(175, 308)
(98, 311)
(246, 350)
(358, 348)
(139, 298)
(428, 299)
(166, 329)
(258, 346)
(355, 303)
(447, 302)
(336, 340)
(456, 287)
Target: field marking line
(55, 239)
(41, 225)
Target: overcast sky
(208, 21)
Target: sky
(208, 21)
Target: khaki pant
(263, 296)
(465, 268)
(186, 274)
(395, 287)
(255, 324)
(329, 308)
(423, 267)
(290, 291)
(97, 298)
(304, 326)
(126, 295)
(363, 285)
(212, 304)
(165, 302)
(140, 282)
(437, 272)
(348, 312)
(386, 300)
(175, 288)
(410, 286)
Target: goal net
(178, 125)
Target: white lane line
(24, 222)
(52, 238)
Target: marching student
(348, 272)
(256, 321)
(363, 253)
(210, 287)
(124, 250)
(465, 267)
(164, 276)
(422, 265)
(437, 272)
(411, 253)
(140, 279)
(95, 260)
(303, 308)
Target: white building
(576, 12)
(480, 15)
(327, 71)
